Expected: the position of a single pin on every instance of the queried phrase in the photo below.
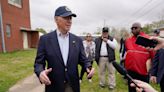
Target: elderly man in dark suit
(62, 52)
(157, 70)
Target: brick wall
(16, 17)
(34, 40)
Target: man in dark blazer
(61, 52)
(157, 70)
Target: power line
(147, 12)
(151, 13)
(140, 9)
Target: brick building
(15, 26)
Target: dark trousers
(122, 62)
(162, 84)
(83, 70)
(137, 76)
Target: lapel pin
(73, 43)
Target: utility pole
(2, 32)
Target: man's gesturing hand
(44, 78)
(90, 72)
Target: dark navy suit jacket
(49, 55)
(158, 65)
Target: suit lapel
(55, 44)
(72, 44)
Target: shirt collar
(62, 35)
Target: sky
(94, 14)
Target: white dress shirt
(63, 40)
(103, 50)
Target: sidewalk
(29, 84)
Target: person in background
(122, 50)
(137, 57)
(159, 45)
(156, 32)
(89, 47)
(58, 55)
(104, 56)
(157, 69)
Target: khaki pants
(68, 88)
(103, 66)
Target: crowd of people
(60, 52)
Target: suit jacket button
(65, 69)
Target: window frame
(8, 30)
(15, 3)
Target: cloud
(91, 14)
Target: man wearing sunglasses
(137, 56)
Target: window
(17, 3)
(8, 30)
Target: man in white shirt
(104, 56)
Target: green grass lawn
(121, 84)
(86, 86)
(17, 65)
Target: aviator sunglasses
(134, 28)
